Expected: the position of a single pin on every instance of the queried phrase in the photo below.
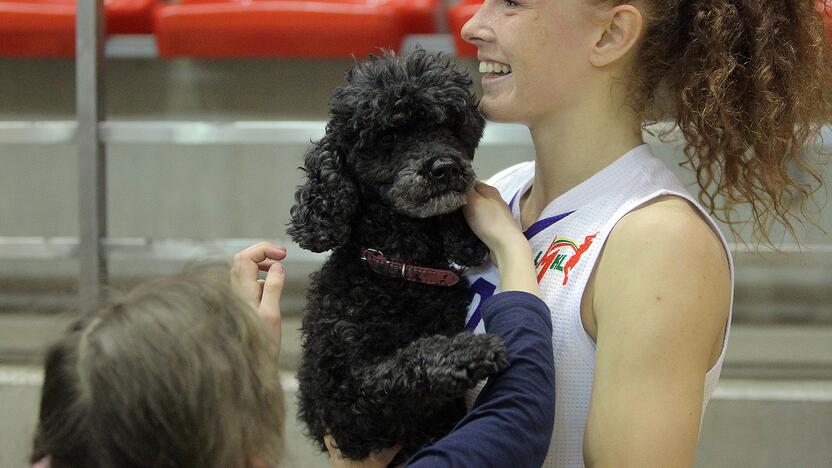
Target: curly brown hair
(749, 85)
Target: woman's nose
(475, 30)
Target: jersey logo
(562, 255)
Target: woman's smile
(494, 71)
(492, 78)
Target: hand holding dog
(261, 294)
(489, 217)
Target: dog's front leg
(438, 368)
(461, 244)
(415, 395)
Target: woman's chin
(498, 112)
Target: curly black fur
(386, 361)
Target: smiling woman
(641, 299)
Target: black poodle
(385, 358)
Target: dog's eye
(388, 138)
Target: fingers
(260, 252)
(473, 209)
(477, 197)
(269, 308)
(248, 261)
(330, 446)
(474, 198)
(246, 265)
(335, 458)
(486, 190)
(266, 264)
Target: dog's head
(402, 132)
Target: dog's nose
(444, 170)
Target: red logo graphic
(558, 253)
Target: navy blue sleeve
(512, 420)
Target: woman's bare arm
(662, 296)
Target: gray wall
(191, 191)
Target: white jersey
(566, 242)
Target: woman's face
(547, 45)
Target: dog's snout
(444, 170)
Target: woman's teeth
(493, 67)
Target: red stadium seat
(289, 28)
(46, 28)
(458, 15)
(129, 16)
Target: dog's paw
(483, 356)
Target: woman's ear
(326, 203)
(619, 30)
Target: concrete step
(19, 403)
(749, 423)
(767, 424)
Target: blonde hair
(176, 373)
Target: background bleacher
(202, 147)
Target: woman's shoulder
(668, 225)
(668, 232)
(662, 267)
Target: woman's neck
(570, 149)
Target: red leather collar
(381, 264)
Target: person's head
(176, 373)
(748, 82)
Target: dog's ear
(326, 203)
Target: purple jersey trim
(535, 228)
(511, 203)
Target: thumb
(269, 309)
(474, 197)
(487, 191)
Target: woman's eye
(511, 3)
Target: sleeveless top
(566, 242)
